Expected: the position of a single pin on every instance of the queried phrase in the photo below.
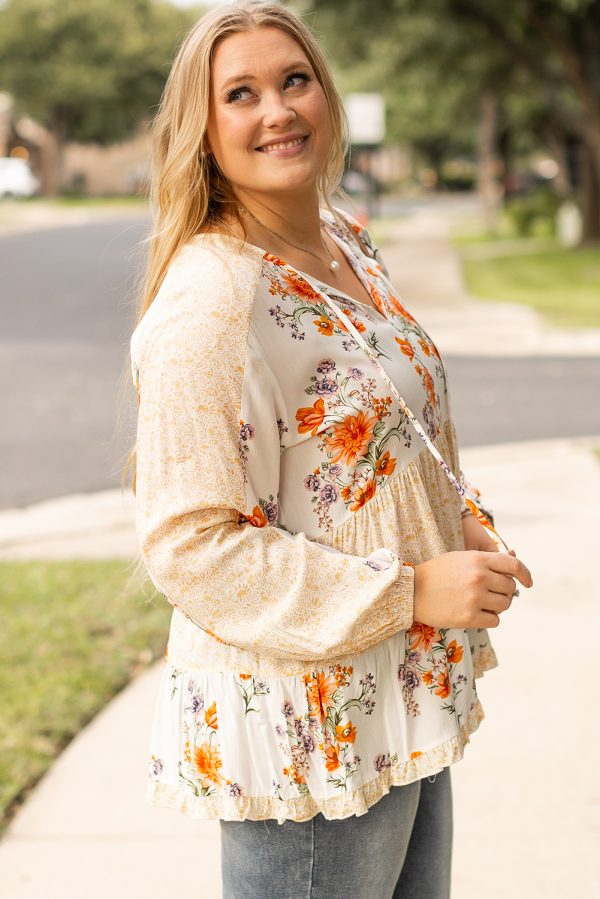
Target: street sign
(366, 115)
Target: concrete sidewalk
(526, 795)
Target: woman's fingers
(500, 583)
(487, 619)
(508, 564)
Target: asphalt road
(68, 411)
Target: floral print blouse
(282, 502)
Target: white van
(16, 178)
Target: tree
(87, 71)
(550, 46)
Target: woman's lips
(285, 148)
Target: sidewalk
(526, 794)
(19, 217)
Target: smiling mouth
(286, 145)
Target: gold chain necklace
(333, 264)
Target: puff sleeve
(206, 507)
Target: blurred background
(475, 163)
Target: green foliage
(73, 634)
(536, 209)
(433, 60)
(88, 70)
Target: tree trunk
(487, 185)
(590, 198)
(557, 144)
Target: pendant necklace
(333, 264)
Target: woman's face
(269, 126)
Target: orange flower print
(415, 755)
(429, 387)
(245, 676)
(301, 287)
(258, 518)
(270, 257)
(398, 307)
(377, 299)
(311, 417)
(324, 325)
(358, 325)
(427, 677)
(385, 465)
(346, 491)
(331, 758)
(423, 636)
(363, 494)
(351, 437)
(210, 716)
(444, 685)
(345, 733)
(320, 690)
(207, 760)
(455, 652)
(424, 346)
(406, 347)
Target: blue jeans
(400, 849)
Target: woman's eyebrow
(250, 77)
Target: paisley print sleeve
(207, 484)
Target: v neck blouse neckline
(314, 282)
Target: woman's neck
(296, 218)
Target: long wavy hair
(188, 192)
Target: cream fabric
(282, 502)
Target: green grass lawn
(502, 266)
(562, 284)
(73, 635)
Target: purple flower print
(335, 470)
(197, 703)
(369, 706)
(311, 482)
(381, 761)
(279, 730)
(430, 422)
(287, 709)
(235, 789)
(156, 766)
(271, 511)
(247, 432)
(355, 373)
(329, 494)
(326, 387)
(308, 742)
(325, 366)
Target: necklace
(333, 264)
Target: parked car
(16, 178)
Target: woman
(328, 624)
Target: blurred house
(120, 168)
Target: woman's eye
(234, 95)
(304, 78)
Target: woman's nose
(277, 110)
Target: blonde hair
(188, 192)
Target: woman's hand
(467, 588)
(476, 536)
